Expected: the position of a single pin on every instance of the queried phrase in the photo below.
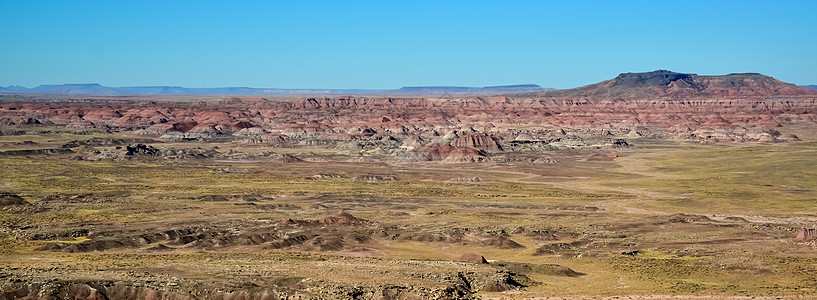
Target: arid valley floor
(647, 186)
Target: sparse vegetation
(653, 222)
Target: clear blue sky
(389, 44)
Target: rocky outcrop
(479, 141)
(501, 282)
(544, 269)
(434, 152)
(88, 291)
(806, 235)
(412, 142)
(340, 218)
(466, 155)
(123, 290)
(728, 108)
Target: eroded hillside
(650, 184)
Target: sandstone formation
(806, 235)
(478, 141)
(729, 108)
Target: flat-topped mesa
(654, 78)
(668, 84)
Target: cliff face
(404, 115)
(667, 84)
(661, 101)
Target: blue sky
(389, 44)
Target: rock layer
(729, 108)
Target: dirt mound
(342, 218)
(502, 242)
(435, 152)
(91, 245)
(8, 293)
(414, 156)
(686, 218)
(23, 143)
(8, 199)
(159, 247)
(501, 282)
(472, 258)
(103, 142)
(148, 152)
(290, 241)
(737, 219)
(190, 237)
(412, 142)
(333, 243)
(269, 139)
(544, 269)
(90, 291)
(12, 132)
(525, 138)
(281, 288)
(128, 292)
(226, 198)
(86, 292)
(286, 158)
(562, 248)
(36, 152)
(466, 155)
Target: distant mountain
(457, 90)
(97, 89)
(91, 88)
(667, 84)
(813, 87)
(13, 89)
